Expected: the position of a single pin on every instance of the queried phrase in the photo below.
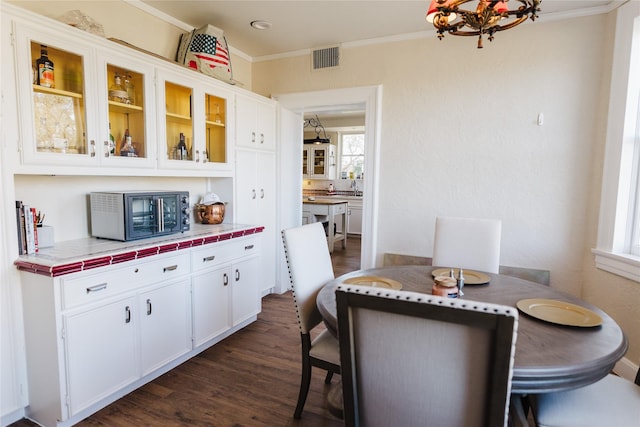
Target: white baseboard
(626, 369)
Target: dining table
(563, 342)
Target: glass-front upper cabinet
(54, 98)
(195, 135)
(128, 123)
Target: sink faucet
(354, 187)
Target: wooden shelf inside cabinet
(214, 124)
(178, 118)
(42, 89)
(119, 107)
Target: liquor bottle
(126, 146)
(130, 88)
(182, 148)
(117, 92)
(45, 69)
(112, 143)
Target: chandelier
(489, 17)
(315, 123)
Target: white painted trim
(626, 369)
(620, 264)
(610, 254)
(371, 96)
(428, 32)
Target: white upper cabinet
(193, 125)
(255, 123)
(126, 108)
(57, 126)
(110, 108)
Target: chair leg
(327, 379)
(304, 387)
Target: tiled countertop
(83, 254)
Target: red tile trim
(90, 263)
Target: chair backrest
(412, 359)
(310, 267)
(470, 243)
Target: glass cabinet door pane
(59, 101)
(179, 121)
(126, 112)
(215, 121)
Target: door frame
(371, 97)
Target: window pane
(352, 156)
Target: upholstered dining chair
(410, 359)
(612, 401)
(468, 243)
(310, 267)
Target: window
(352, 155)
(618, 249)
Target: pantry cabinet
(256, 204)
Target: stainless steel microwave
(131, 215)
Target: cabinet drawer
(218, 253)
(316, 209)
(127, 277)
(339, 209)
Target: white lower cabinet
(101, 352)
(94, 336)
(225, 287)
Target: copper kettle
(209, 214)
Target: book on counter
(27, 231)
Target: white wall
(459, 137)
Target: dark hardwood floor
(251, 378)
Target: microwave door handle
(159, 213)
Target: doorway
(369, 99)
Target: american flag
(207, 48)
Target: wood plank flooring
(250, 379)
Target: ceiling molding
(543, 17)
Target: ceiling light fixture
(260, 25)
(315, 123)
(489, 17)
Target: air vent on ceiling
(328, 57)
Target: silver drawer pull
(127, 314)
(170, 268)
(149, 308)
(248, 247)
(208, 258)
(96, 288)
(225, 279)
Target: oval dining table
(549, 356)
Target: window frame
(341, 134)
(620, 173)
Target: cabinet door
(355, 220)
(128, 107)
(56, 127)
(244, 289)
(102, 352)
(165, 324)
(256, 204)
(255, 123)
(211, 300)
